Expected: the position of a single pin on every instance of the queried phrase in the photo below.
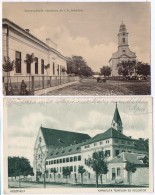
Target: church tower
(116, 121)
(122, 37)
(123, 53)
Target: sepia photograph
(90, 144)
(76, 49)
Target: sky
(25, 118)
(86, 29)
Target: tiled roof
(64, 151)
(126, 157)
(60, 138)
(110, 133)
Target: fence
(35, 83)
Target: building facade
(18, 42)
(58, 152)
(123, 53)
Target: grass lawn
(111, 87)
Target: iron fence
(34, 83)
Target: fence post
(43, 81)
(33, 85)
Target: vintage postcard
(86, 49)
(93, 144)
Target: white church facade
(61, 149)
(123, 53)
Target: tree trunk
(96, 180)
(101, 179)
(129, 179)
(82, 179)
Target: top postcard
(76, 49)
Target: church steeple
(122, 36)
(116, 121)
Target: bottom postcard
(93, 144)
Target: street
(89, 86)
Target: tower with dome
(123, 53)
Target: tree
(29, 60)
(81, 170)
(66, 172)
(47, 67)
(54, 171)
(78, 66)
(130, 168)
(98, 163)
(106, 71)
(126, 67)
(8, 66)
(143, 69)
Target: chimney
(130, 137)
(27, 30)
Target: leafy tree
(81, 170)
(106, 71)
(29, 60)
(143, 69)
(98, 164)
(130, 168)
(8, 66)
(78, 66)
(66, 172)
(54, 171)
(126, 67)
(47, 67)
(19, 166)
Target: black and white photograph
(76, 49)
(89, 144)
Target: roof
(61, 138)
(117, 117)
(126, 157)
(110, 133)
(6, 21)
(64, 151)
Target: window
(95, 144)
(74, 168)
(71, 168)
(67, 159)
(57, 161)
(36, 65)
(129, 151)
(42, 66)
(87, 146)
(64, 160)
(123, 142)
(46, 162)
(51, 162)
(116, 152)
(129, 143)
(58, 69)
(123, 51)
(18, 61)
(101, 143)
(116, 140)
(71, 159)
(75, 158)
(123, 39)
(118, 171)
(60, 160)
(79, 158)
(54, 161)
(107, 141)
(53, 68)
(107, 153)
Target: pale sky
(25, 119)
(90, 32)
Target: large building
(123, 53)
(18, 42)
(61, 149)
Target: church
(56, 149)
(123, 53)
